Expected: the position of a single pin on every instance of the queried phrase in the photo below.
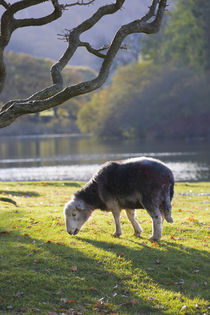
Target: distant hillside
(43, 41)
(26, 75)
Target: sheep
(136, 183)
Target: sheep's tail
(167, 204)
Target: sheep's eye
(73, 214)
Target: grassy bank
(43, 270)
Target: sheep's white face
(75, 216)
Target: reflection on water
(76, 158)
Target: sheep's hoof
(154, 238)
(137, 234)
(116, 234)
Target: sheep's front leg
(131, 217)
(116, 214)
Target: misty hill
(43, 41)
(26, 75)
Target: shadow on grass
(73, 185)
(19, 193)
(174, 268)
(39, 277)
(61, 183)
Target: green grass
(43, 270)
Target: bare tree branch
(73, 44)
(93, 51)
(9, 24)
(43, 20)
(55, 95)
(81, 2)
(4, 4)
(102, 11)
(151, 12)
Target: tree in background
(167, 93)
(184, 38)
(57, 93)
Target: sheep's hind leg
(157, 224)
(131, 217)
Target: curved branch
(102, 11)
(151, 12)
(14, 110)
(73, 44)
(9, 24)
(4, 4)
(78, 3)
(43, 20)
(93, 51)
(8, 20)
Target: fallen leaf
(24, 309)
(35, 309)
(4, 233)
(60, 243)
(173, 237)
(2, 299)
(172, 282)
(157, 261)
(35, 262)
(73, 268)
(131, 302)
(192, 219)
(72, 243)
(18, 294)
(72, 301)
(63, 300)
(60, 223)
(9, 307)
(184, 307)
(93, 289)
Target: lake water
(77, 158)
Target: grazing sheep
(138, 183)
